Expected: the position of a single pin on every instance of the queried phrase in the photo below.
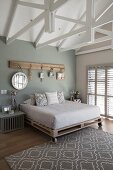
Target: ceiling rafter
(80, 30)
(104, 10)
(70, 19)
(58, 4)
(84, 44)
(39, 36)
(28, 26)
(32, 5)
(103, 31)
(72, 29)
(11, 17)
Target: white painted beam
(112, 35)
(104, 20)
(11, 17)
(80, 30)
(94, 50)
(72, 29)
(58, 4)
(103, 31)
(70, 19)
(32, 5)
(104, 10)
(28, 26)
(84, 44)
(39, 36)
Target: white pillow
(52, 98)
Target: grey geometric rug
(87, 149)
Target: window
(100, 88)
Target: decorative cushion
(60, 95)
(33, 101)
(28, 101)
(41, 99)
(52, 98)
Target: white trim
(104, 10)
(103, 31)
(80, 30)
(58, 4)
(112, 35)
(94, 50)
(104, 20)
(39, 36)
(32, 5)
(28, 26)
(72, 29)
(70, 19)
(11, 17)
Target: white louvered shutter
(110, 91)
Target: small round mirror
(19, 81)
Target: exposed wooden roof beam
(32, 5)
(39, 36)
(103, 31)
(104, 20)
(94, 50)
(70, 19)
(11, 17)
(28, 26)
(104, 10)
(80, 30)
(84, 44)
(72, 29)
(58, 4)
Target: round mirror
(19, 81)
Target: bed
(60, 119)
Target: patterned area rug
(87, 149)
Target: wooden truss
(91, 24)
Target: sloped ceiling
(70, 9)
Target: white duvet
(58, 116)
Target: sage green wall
(24, 51)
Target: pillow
(52, 98)
(33, 101)
(28, 101)
(41, 99)
(60, 95)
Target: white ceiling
(24, 15)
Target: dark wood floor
(22, 139)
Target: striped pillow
(52, 98)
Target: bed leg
(99, 123)
(54, 140)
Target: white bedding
(57, 116)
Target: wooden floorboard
(16, 141)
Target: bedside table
(11, 122)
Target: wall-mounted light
(3, 92)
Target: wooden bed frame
(54, 133)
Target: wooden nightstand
(11, 122)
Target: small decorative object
(60, 76)
(41, 74)
(51, 74)
(13, 100)
(77, 95)
(72, 95)
(6, 109)
(30, 73)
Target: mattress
(58, 116)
